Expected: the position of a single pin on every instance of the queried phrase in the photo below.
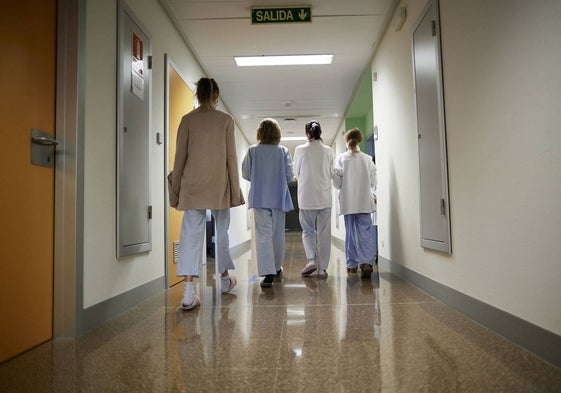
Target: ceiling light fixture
(294, 138)
(256, 61)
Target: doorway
(180, 100)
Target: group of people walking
(198, 183)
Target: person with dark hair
(268, 166)
(354, 175)
(313, 168)
(205, 176)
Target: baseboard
(340, 244)
(541, 342)
(97, 314)
(238, 250)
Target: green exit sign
(281, 15)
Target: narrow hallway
(303, 335)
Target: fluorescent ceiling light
(253, 61)
(294, 138)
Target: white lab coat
(354, 175)
(313, 167)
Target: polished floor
(342, 334)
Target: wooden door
(180, 101)
(27, 77)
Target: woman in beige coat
(205, 176)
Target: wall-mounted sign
(281, 15)
(137, 67)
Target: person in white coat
(354, 175)
(313, 168)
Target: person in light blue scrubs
(268, 166)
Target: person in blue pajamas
(268, 166)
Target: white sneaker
(190, 299)
(194, 304)
(227, 283)
(322, 273)
(309, 268)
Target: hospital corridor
(271, 196)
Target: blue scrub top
(269, 169)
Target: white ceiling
(218, 30)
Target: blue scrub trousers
(361, 240)
(270, 245)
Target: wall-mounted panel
(134, 211)
(433, 172)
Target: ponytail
(353, 137)
(313, 130)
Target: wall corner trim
(239, 249)
(340, 244)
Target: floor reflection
(340, 334)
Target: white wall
(239, 232)
(337, 222)
(503, 112)
(104, 275)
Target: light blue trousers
(270, 245)
(361, 240)
(193, 230)
(316, 235)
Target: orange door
(27, 77)
(180, 102)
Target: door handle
(42, 143)
(45, 141)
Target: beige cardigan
(205, 170)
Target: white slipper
(232, 281)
